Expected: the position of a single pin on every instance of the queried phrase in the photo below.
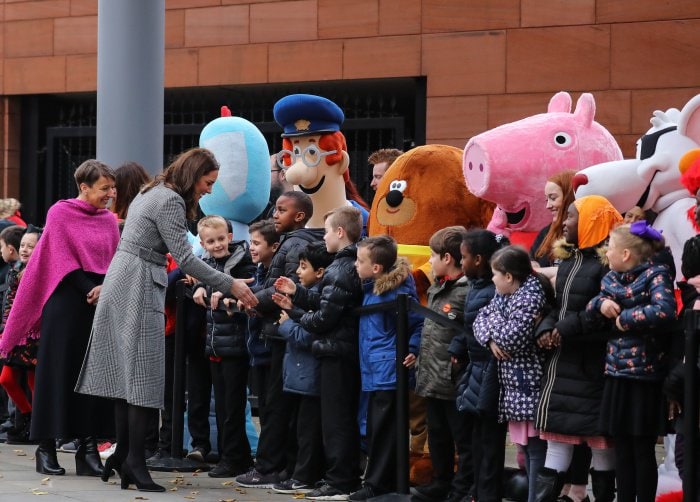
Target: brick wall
(487, 62)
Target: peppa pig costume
(510, 164)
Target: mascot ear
(344, 163)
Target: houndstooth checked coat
(125, 356)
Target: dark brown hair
(266, 228)
(129, 179)
(448, 241)
(184, 173)
(90, 171)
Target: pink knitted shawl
(77, 236)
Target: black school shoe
(434, 491)
(255, 479)
(327, 492)
(292, 486)
(364, 493)
(226, 470)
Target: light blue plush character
(242, 189)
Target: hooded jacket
(509, 320)
(648, 307)
(226, 335)
(301, 370)
(378, 329)
(478, 390)
(572, 387)
(434, 371)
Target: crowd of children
(580, 362)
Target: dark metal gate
(59, 131)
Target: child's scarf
(77, 236)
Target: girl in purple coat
(637, 301)
(507, 327)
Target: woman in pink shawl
(56, 301)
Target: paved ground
(20, 483)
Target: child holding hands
(637, 299)
(329, 316)
(301, 372)
(507, 327)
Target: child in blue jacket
(384, 277)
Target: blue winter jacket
(378, 330)
(301, 369)
(477, 392)
(648, 307)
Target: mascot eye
(297, 150)
(562, 139)
(399, 185)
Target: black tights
(635, 470)
(132, 426)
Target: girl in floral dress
(637, 301)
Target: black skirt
(57, 410)
(633, 408)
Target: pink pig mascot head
(509, 165)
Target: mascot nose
(578, 180)
(394, 198)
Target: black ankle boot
(145, 484)
(19, 434)
(548, 485)
(603, 483)
(87, 459)
(46, 461)
(113, 463)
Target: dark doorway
(59, 131)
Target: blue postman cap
(305, 114)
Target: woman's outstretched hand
(242, 292)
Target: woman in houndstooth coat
(125, 357)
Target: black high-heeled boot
(113, 463)
(143, 485)
(121, 422)
(46, 461)
(134, 470)
(20, 433)
(87, 458)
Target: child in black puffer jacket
(226, 346)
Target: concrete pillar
(130, 68)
